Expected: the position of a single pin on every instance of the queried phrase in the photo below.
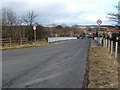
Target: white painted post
(101, 41)
(106, 43)
(111, 47)
(116, 49)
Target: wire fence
(112, 46)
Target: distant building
(113, 29)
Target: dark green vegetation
(24, 32)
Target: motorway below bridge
(53, 66)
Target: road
(53, 66)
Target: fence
(9, 41)
(113, 47)
(6, 42)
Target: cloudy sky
(69, 12)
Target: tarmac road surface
(53, 66)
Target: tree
(9, 17)
(115, 16)
(59, 27)
(42, 33)
(30, 17)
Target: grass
(27, 45)
(103, 69)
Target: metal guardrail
(58, 39)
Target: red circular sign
(99, 21)
(34, 27)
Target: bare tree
(115, 16)
(30, 17)
(9, 17)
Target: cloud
(64, 11)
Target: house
(113, 29)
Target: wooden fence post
(20, 41)
(10, 41)
(116, 49)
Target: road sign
(34, 27)
(99, 21)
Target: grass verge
(17, 46)
(103, 69)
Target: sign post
(99, 22)
(34, 28)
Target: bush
(114, 35)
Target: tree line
(11, 21)
(17, 27)
(115, 17)
(26, 32)
(13, 25)
(10, 18)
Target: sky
(68, 12)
